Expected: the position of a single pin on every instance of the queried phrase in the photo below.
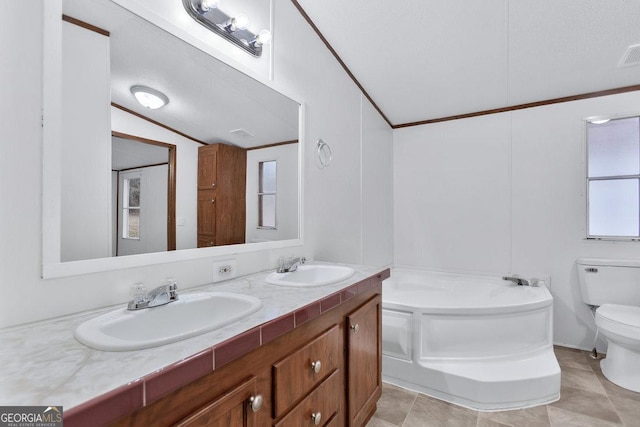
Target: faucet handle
(138, 292)
(172, 285)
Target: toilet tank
(612, 281)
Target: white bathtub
(476, 341)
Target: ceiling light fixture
(149, 98)
(231, 28)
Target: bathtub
(476, 341)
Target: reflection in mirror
(117, 201)
(143, 195)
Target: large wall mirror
(123, 184)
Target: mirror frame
(52, 267)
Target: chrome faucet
(159, 296)
(517, 280)
(287, 266)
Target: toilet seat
(622, 320)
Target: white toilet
(614, 286)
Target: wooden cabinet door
(364, 360)
(233, 409)
(207, 214)
(207, 167)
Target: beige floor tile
(529, 417)
(571, 358)
(377, 422)
(430, 412)
(587, 403)
(628, 410)
(562, 418)
(395, 403)
(483, 422)
(582, 379)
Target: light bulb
(207, 5)
(239, 22)
(149, 98)
(264, 37)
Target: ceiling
(131, 154)
(424, 59)
(208, 100)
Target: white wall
(377, 188)
(333, 197)
(86, 145)
(286, 157)
(505, 193)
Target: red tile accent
(329, 302)
(235, 347)
(307, 313)
(105, 409)
(173, 377)
(277, 327)
(349, 292)
(367, 284)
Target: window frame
(125, 194)
(274, 194)
(587, 181)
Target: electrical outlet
(224, 270)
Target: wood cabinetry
(325, 372)
(237, 407)
(222, 171)
(364, 350)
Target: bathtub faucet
(517, 280)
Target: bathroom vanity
(325, 372)
(309, 356)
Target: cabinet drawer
(323, 402)
(296, 375)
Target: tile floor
(587, 399)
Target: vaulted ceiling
(425, 59)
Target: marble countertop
(43, 364)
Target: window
(131, 208)
(267, 194)
(613, 178)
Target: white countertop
(43, 364)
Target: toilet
(614, 287)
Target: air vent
(241, 133)
(631, 56)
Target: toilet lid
(625, 314)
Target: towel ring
(323, 151)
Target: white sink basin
(193, 314)
(311, 275)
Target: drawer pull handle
(316, 366)
(316, 417)
(213, 200)
(255, 402)
(355, 328)
(213, 184)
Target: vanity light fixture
(231, 28)
(598, 120)
(149, 98)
